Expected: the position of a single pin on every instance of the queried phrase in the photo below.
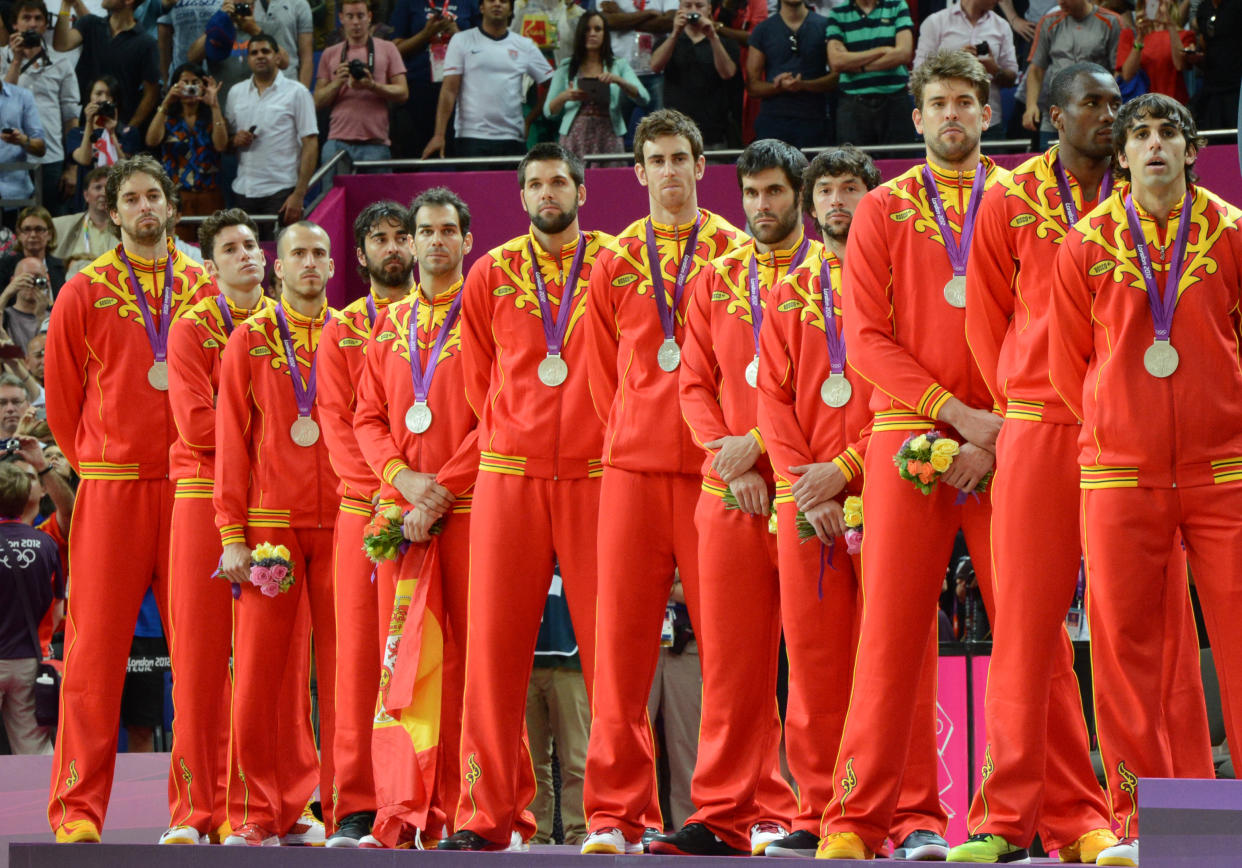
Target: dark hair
(383, 211)
(606, 56)
(1155, 106)
(845, 160)
(174, 111)
(263, 36)
(951, 64)
(113, 86)
(37, 5)
(220, 220)
(1061, 90)
(545, 152)
(667, 122)
(94, 174)
(440, 196)
(141, 164)
(772, 154)
(14, 490)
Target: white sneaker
(1123, 853)
(183, 835)
(763, 834)
(306, 832)
(516, 844)
(610, 842)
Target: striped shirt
(862, 31)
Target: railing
(320, 184)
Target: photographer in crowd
(114, 45)
(189, 133)
(30, 62)
(358, 80)
(25, 301)
(98, 139)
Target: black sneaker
(694, 839)
(649, 834)
(352, 830)
(801, 844)
(922, 845)
(467, 840)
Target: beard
(385, 276)
(146, 234)
(952, 153)
(785, 224)
(556, 223)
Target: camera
(8, 131)
(243, 10)
(693, 17)
(189, 90)
(358, 69)
(31, 38)
(10, 446)
(39, 281)
(982, 49)
(107, 109)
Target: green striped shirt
(861, 31)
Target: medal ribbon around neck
(1067, 198)
(554, 329)
(303, 391)
(157, 338)
(1162, 306)
(421, 377)
(836, 340)
(958, 250)
(657, 276)
(371, 311)
(752, 285)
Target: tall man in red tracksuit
(200, 634)
(904, 326)
(386, 258)
(1143, 347)
(274, 485)
(107, 405)
(537, 495)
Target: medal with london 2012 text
(304, 431)
(418, 417)
(668, 357)
(836, 390)
(553, 370)
(958, 250)
(1161, 358)
(157, 374)
(756, 302)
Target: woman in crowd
(107, 140)
(189, 131)
(591, 123)
(1156, 48)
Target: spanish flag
(406, 734)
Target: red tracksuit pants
(646, 534)
(737, 780)
(1127, 536)
(200, 641)
(907, 540)
(820, 606)
(119, 544)
(520, 527)
(1037, 769)
(267, 635)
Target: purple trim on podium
(1190, 823)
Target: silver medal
(836, 390)
(552, 370)
(157, 376)
(418, 417)
(955, 291)
(752, 372)
(669, 356)
(304, 431)
(1160, 359)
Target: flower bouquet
(924, 458)
(271, 570)
(385, 535)
(853, 509)
(805, 531)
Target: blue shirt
(17, 110)
(773, 37)
(556, 644)
(410, 16)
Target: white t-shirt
(490, 103)
(635, 45)
(281, 117)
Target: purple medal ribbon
(158, 339)
(554, 331)
(303, 392)
(371, 311)
(1162, 306)
(420, 378)
(752, 285)
(223, 304)
(958, 251)
(657, 276)
(1067, 198)
(836, 340)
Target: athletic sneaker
(516, 844)
(352, 830)
(693, 839)
(801, 843)
(763, 834)
(843, 845)
(922, 845)
(307, 831)
(251, 835)
(78, 832)
(467, 840)
(1089, 847)
(610, 842)
(1122, 853)
(990, 849)
(183, 835)
(650, 834)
